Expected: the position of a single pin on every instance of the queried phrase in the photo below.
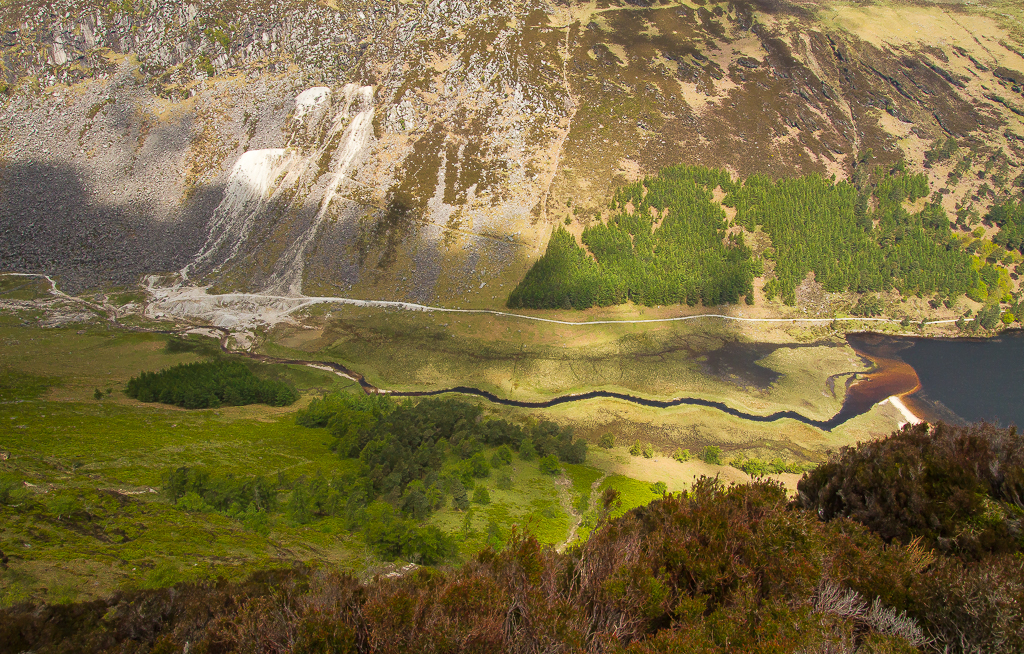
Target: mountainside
(423, 151)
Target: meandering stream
(890, 377)
(956, 380)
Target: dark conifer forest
(209, 384)
(668, 242)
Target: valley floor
(88, 515)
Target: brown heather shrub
(961, 489)
(974, 606)
(717, 569)
(737, 569)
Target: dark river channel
(956, 379)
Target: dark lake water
(959, 380)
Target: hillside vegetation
(209, 384)
(714, 569)
(667, 242)
(231, 140)
(959, 490)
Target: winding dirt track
(308, 301)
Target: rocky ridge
(149, 136)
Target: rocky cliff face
(423, 150)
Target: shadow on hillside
(50, 224)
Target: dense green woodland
(1009, 217)
(209, 384)
(668, 242)
(413, 459)
(909, 544)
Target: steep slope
(423, 151)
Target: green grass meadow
(82, 512)
(85, 513)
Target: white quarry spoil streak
(248, 187)
(233, 311)
(288, 271)
(309, 100)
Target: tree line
(667, 242)
(817, 225)
(677, 253)
(209, 384)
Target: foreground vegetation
(714, 569)
(102, 493)
(911, 544)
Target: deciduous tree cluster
(416, 458)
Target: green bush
(478, 466)
(527, 452)
(607, 441)
(681, 455)
(62, 505)
(868, 306)
(549, 465)
(711, 454)
(481, 496)
(392, 536)
(460, 497)
(573, 451)
(759, 468)
(636, 449)
(648, 450)
(501, 457)
(300, 506)
(194, 503)
(255, 520)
